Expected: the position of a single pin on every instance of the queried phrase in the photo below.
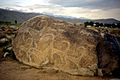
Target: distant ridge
(8, 15)
(11, 16)
(108, 21)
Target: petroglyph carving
(43, 41)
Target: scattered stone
(5, 54)
(2, 35)
(3, 40)
(9, 48)
(11, 36)
(100, 72)
(6, 36)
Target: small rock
(100, 72)
(5, 54)
(11, 36)
(3, 40)
(2, 35)
(9, 48)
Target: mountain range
(11, 16)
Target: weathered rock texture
(45, 42)
(109, 55)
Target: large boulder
(44, 42)
(108, 51)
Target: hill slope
(7, 15)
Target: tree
(107, 25)
(86, 24)
(97, 24)
(90, 23)
(100, 24)
(118, 25)
(15, 21)
(113, 25)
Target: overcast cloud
(99, 4)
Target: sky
(91, 9)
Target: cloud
(94, 4)
(74, 11)
(92, 9)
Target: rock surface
(44, 42)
